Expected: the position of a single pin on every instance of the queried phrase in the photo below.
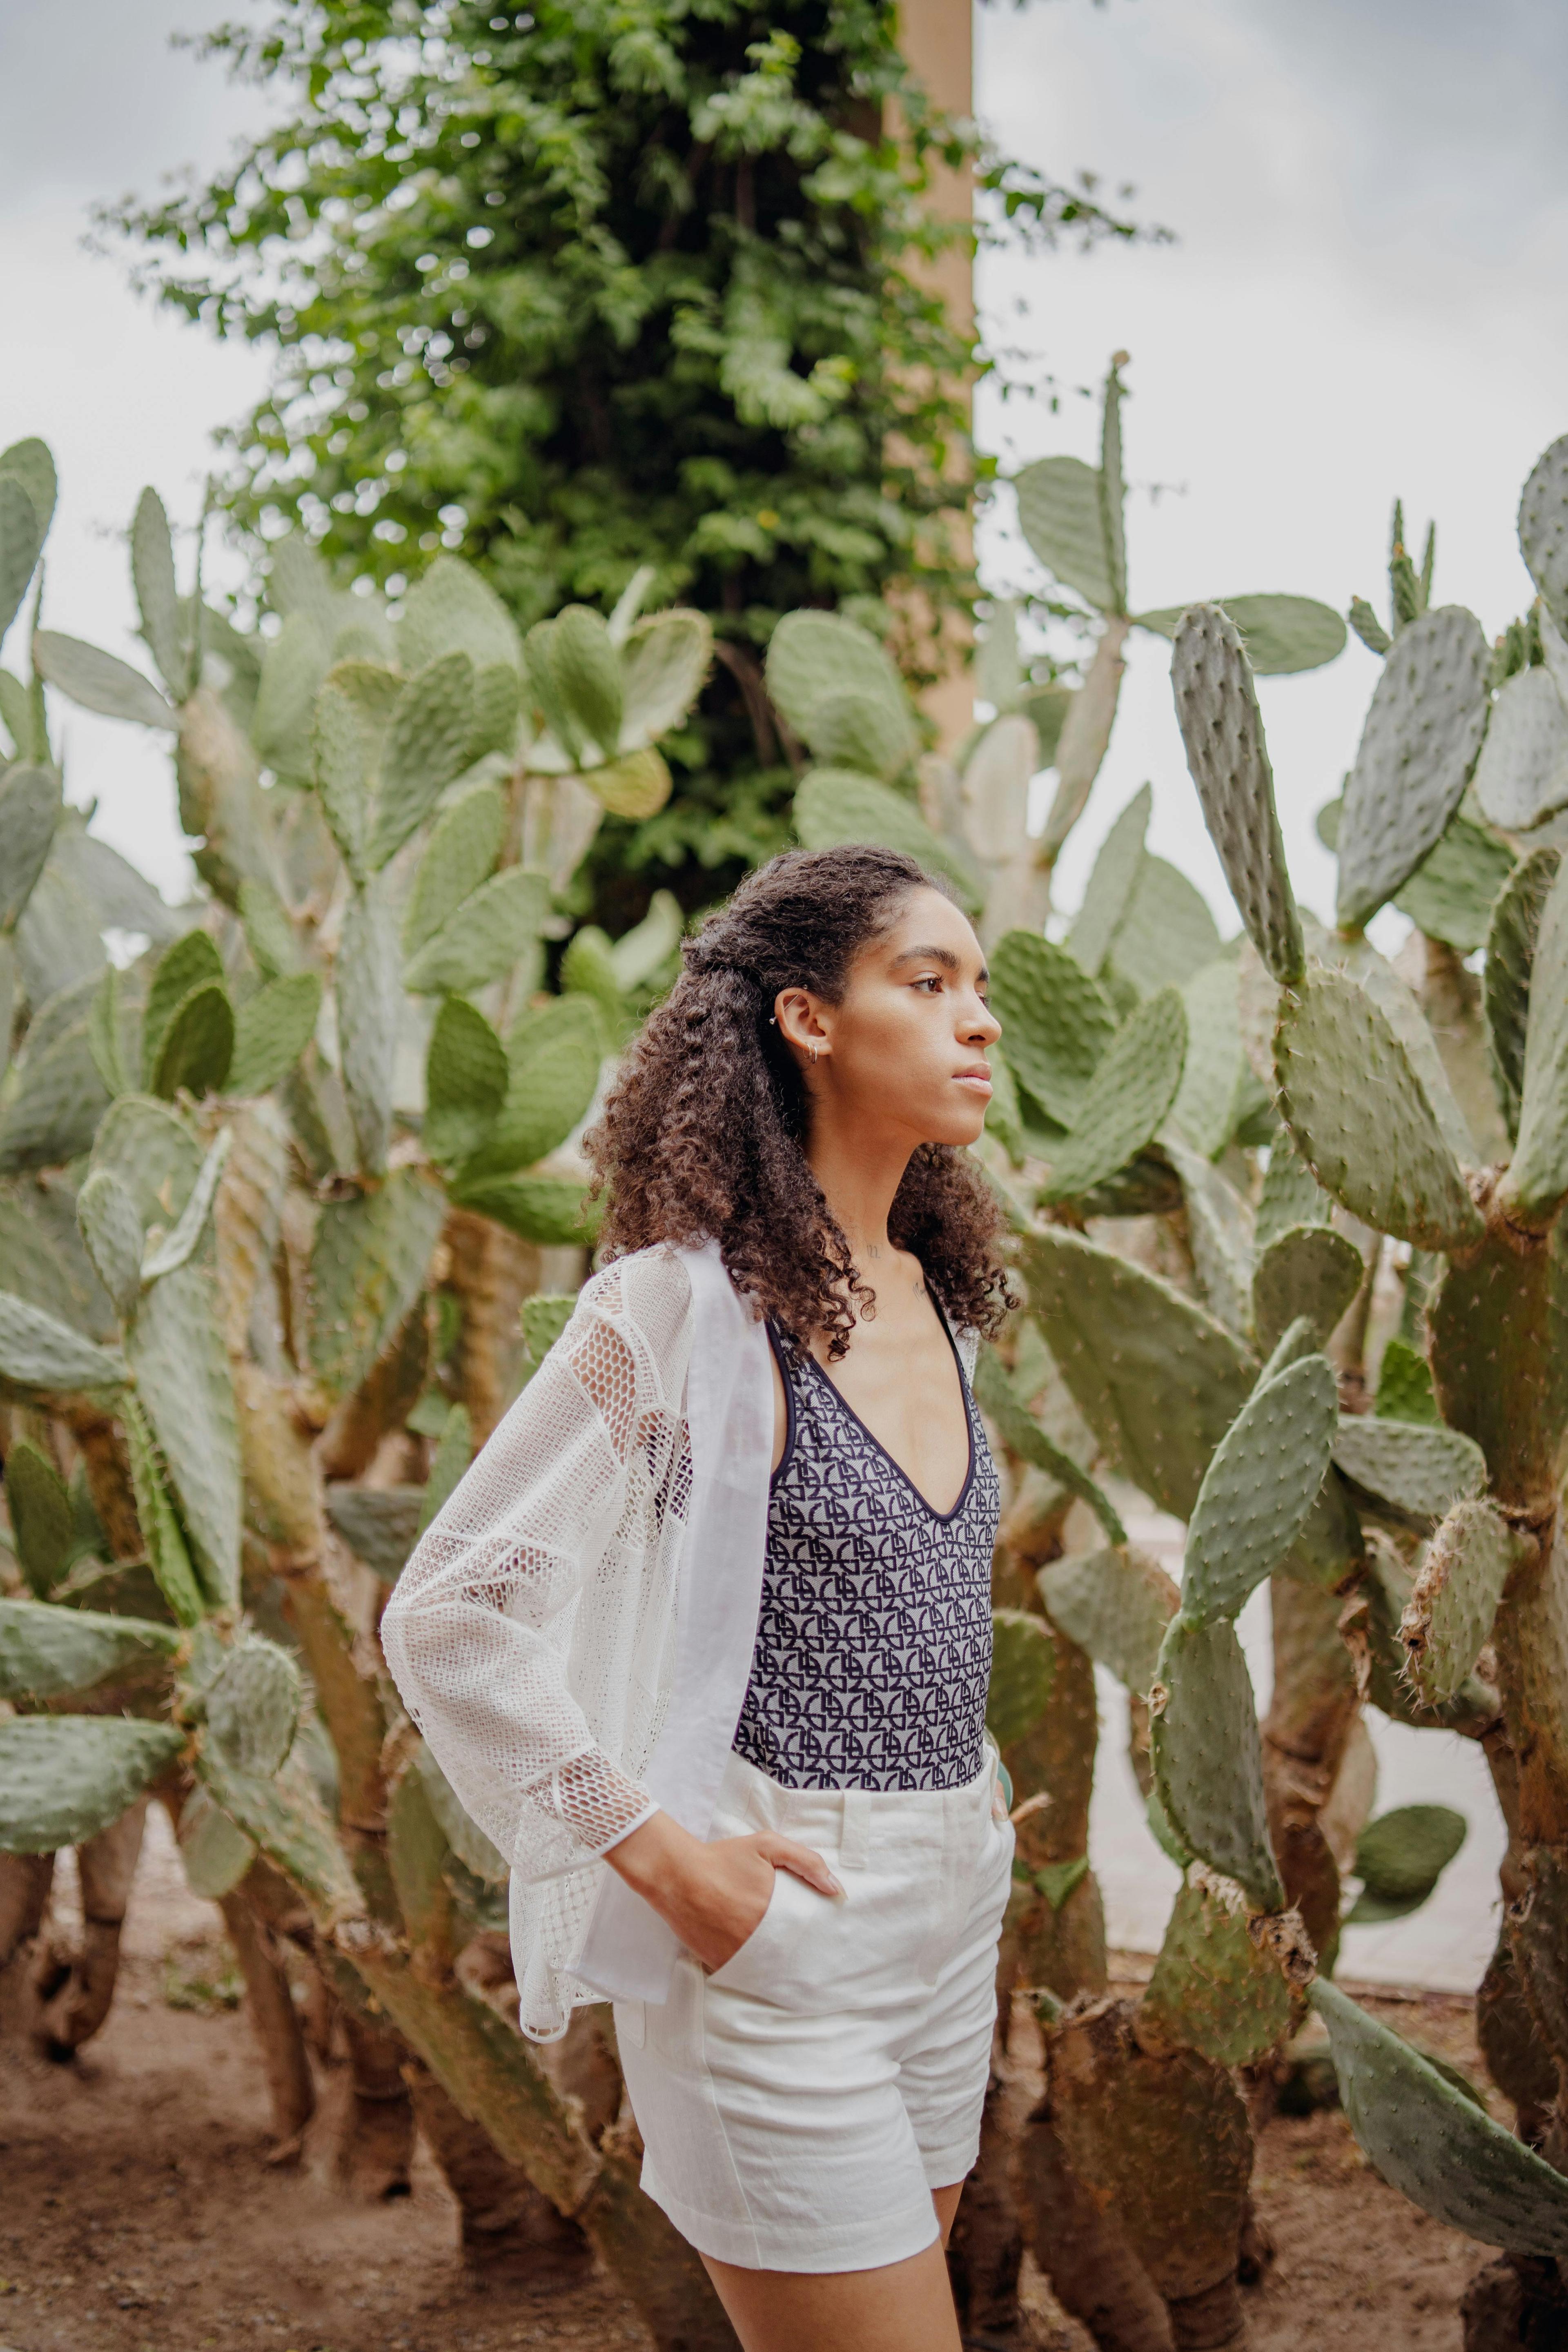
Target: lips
(977, 1076)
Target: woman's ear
(800, 1024)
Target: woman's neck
(859, 1176)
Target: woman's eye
(932, 981)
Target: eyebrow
(933, 955)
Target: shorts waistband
(854, 1822)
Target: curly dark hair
(704, 1134)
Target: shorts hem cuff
(868, 2245)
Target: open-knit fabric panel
(532, 1633)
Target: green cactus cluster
(1324, 1326)
(1307, 1294)
(289, 1208)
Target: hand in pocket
(714, 1896)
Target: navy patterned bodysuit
(874, 1643)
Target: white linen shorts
(798, 2105)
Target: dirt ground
(138, 2214)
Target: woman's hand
(713, 1896)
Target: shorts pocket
(774, 1963)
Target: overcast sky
(1366, 300)
(1367, 297)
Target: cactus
(1412, 1553)
(835, 688)
(271, 1201)
(248, 1247)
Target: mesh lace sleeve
(477, 1632)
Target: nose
(983, 1028)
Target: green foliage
(1056, 1022)
(1409, 1472)
(215, 1854)
(1220, 724)
(1126, 1100)
(1258, 1488)
(544, 1318)
(1399, 1859)
(1214, 1988)
(1451, 893)
(380, 1523)
(1116, 1605)
(45, 1651)
(454, 1451)
(465, 1082)
(999, 1398)
(367, 1268)
(552, 1060)
(1397, 1173)
(42, 1522)
(293, 1288)
(30, 802)
(839, 804)
(1307, 1270)
(1158, 1379)
(1511, 963)
(1207, 1758)
(40, 1356)
(1428, 2140)
(1537, 1179)
(649, 298)
(1449, 1618)
(1023, 1668)
(252, 1706)
(1404, 1385)
(64, 1778)
(1416, 753)
(1110, 884)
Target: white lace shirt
(573, 1633)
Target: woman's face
(905, 1047)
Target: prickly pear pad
(1332, 1049)
(1218, 711)
(1259, 1489)
(1208, 1759)
(1510, 966)
(1417, 749)
(1537, 1182)
(1435, 2146)
(63, 1778)
(1212, 1987)
(1158, 1380)
(1307, 1270)
(1448, 1620)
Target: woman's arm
(465, 1632)
(713, 1893)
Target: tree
(590, 286)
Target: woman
(702, 1639)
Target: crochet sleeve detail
(478, 1632)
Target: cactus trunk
(75, 1989)
(1080, 2244)
(274, 2020)
(1311, 1716)
(486, 2070)
(511, 2233)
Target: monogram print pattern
(874, 1644)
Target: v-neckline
(943, 1518)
